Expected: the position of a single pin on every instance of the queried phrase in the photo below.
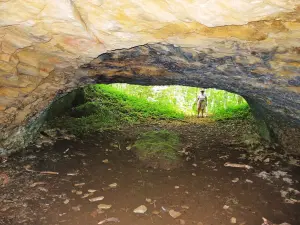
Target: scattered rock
(76, 208)
(78, 192)
(181, 222)
(43, 189)
(194, 165)
(225, 207)
(37, 183)
(148, 200)
(111, 219)
(104, 206)
(114, 185)
(235, 180)
(79, 184)
(194, 174)
(185, 207)
(91, 190)
(267, 160)
(66, 201)
(176, 187)
(140, 210)
(249, 181)
(237, 165)
(233, 220)
(288, 180)
(105, 161)
(174, 214)
(86, 195)
(100, 198)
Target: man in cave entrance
(201, 103)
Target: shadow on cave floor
(203, 190)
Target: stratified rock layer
(249, 47)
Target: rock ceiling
(43, 42)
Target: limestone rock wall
(250, 47)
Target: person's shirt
(202, 97)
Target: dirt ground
(203, 190)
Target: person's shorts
(201, 104)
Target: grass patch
(158, 148)
(233, 112)
(106, 107)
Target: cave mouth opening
(170, 113)
(97, 107)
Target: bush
(233, 112)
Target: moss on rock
(158, 149)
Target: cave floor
(203, 190)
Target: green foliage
(233, 112)
(183, 98)
(106, 107)
(157, 145)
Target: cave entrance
(136, 157)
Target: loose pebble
(233, 220)
(193, 174)
(174, 214)
(104, 206)
(225, 207)
(114, 185)
(100, 198)
(79, 184)
(140, 210)
(235, 180)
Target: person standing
(201, 102)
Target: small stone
(225, 207)
(233, 220)
(140, 210)
(66, 201)
(249, 181)
(43, 189)
(176, 187)
(174, 214)
(193, 174)
(76, 208)
(148, 200)
(128, 148)
(185, 207)
(155, 212)
(86, 195)
(100, 198)
(114, 185)
(73, 191)
(105, 161)
(267, 160)
(194, 165)
(235, 180)
(91, 190)
(104, 206)
(78, 192)
(79, 184)
(181, 222)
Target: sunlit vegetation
(221, 104)
(112, 106)
(106, 107)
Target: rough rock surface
(50, 47)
